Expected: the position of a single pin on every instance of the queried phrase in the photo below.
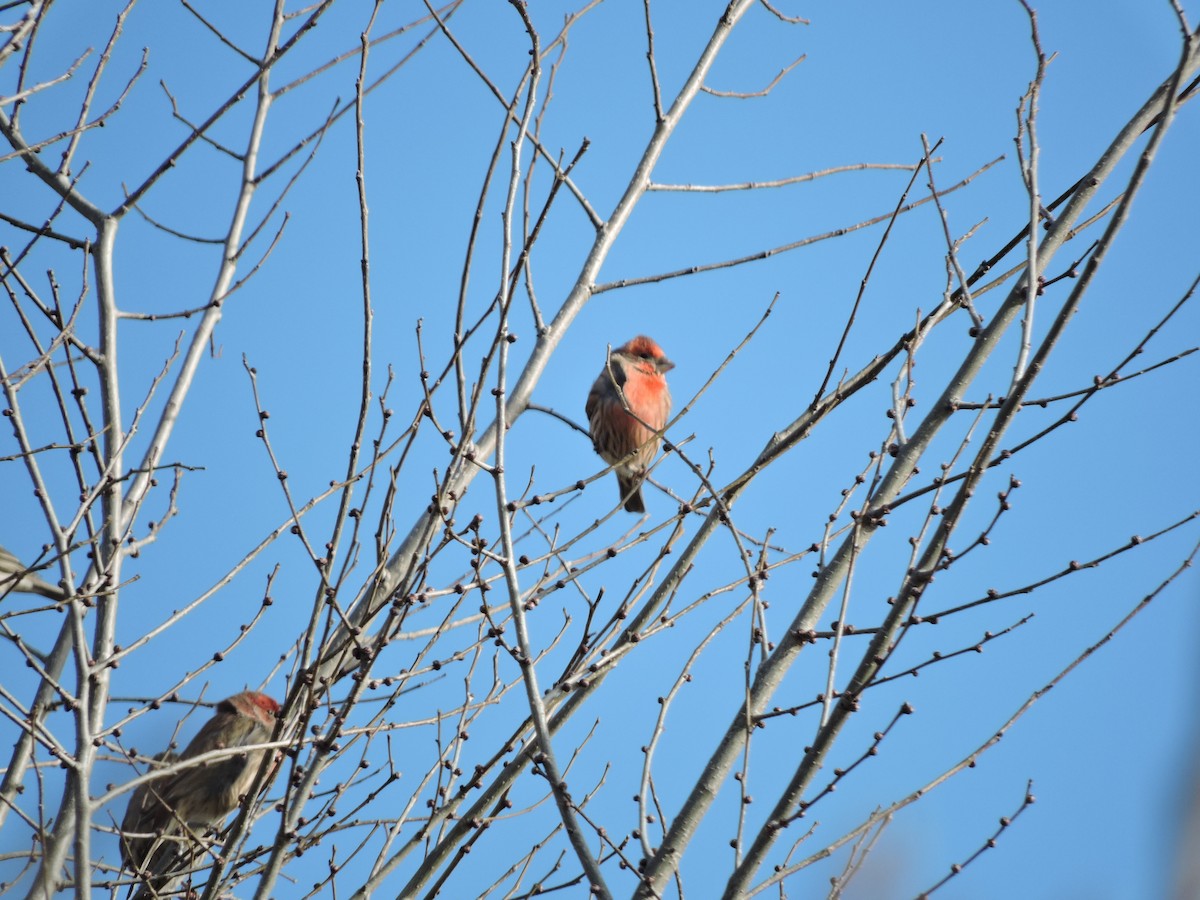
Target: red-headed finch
(165, 813)
(626, 407)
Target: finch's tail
(631, 493)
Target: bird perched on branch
(167, 814)
(14, 576)
(627, 407)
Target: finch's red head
(642, 349)
(250, 703)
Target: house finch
(15, 577)
(626, 406)
(184, 804)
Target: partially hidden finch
(15, 577)
(166, 812)
(625, 431)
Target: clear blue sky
(1110, 751)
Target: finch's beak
(665, 365)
